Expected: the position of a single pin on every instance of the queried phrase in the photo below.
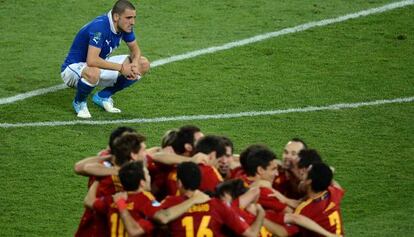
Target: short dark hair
(321, 176)
(260, 157)
(131, 174)
(244, 155)
(295, 139)
(189, 174)
(308, 157)
(209, 144)
(228, 142)
(184, 135)
(234, 187)
(117, 133)
(124, 145)
(121, 5)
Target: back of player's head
(125, 145)
(228, 142)
(168, 138)
(185, 135)
(295, 139)
(308, 157)
(246, 152)
(209, 144)
(131, 174)
(117, 133)
(258, 157)
(121, 5)
(189, 175)
(321, 176)
(234, 187)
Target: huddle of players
(193, 185)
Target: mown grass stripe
(254, 39)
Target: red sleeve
(102, 204)
(231, 219)
(271, 203)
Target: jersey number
(117, 226)
(335, 219)
(203, 230)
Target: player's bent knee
(91, 74)
(144, 65)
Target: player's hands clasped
(130, 71)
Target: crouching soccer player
(88, 63)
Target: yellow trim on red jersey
(330, 206)
(218, 174)
(117, 183)
(148, 195)
(307, 202)
(172, 176)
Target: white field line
(254, 39)
(211, 116)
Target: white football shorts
(72, 73)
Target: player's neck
(115, 24)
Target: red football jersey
(91, 224)
(210, 178)
(324, 210)
(141, 206)
(237, 173)
(206, 219)
(287, 185)
(159, 176)
(172, 188)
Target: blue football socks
(120, 84)
(84, 88)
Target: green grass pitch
(365, 59)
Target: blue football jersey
(100, 33)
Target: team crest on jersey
(155, 203)
(97, 37)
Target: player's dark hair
(209, 144)
(260, 157)
(321, 176)
(308, 157)
(234, 187)
(121, 5)
(295, 139)
(189, 174)
(184, 135)
(228, 142)
(124, 145)
(131, 174)
(244, 155)
(117, 133)
(168, 138)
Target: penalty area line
(211, 116)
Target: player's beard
(122, 30)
